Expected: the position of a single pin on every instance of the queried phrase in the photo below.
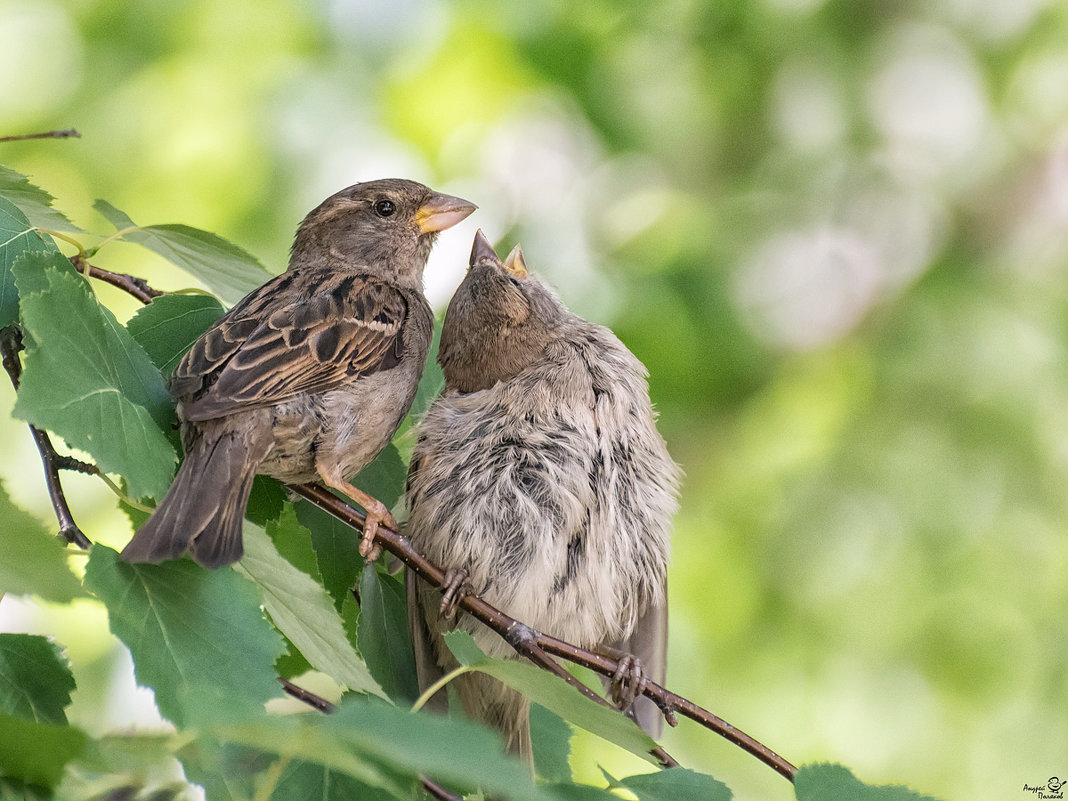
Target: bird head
(499, 320)
(386, 226)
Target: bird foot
(629, 681)
(377, 515)
(453, 588)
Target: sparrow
(309, 376)
(540, 482)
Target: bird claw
(376, 516)
(629, 681)
(453, 588)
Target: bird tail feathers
(204, 507)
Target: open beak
(482, 250)
(441, 212)
(514, 262)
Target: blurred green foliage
(836, 233)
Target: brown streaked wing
(351, 326)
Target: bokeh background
(835, 231)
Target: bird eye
(384, 208)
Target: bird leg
(377, 514)
(629, 680)
(453, 588)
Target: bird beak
(482, 250)
(514, 262)
(441, 212)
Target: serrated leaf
(35, 678)
(675, 784)
(32, 560)
(34, 202)
(383, 635)
(301, 610)
(226, 269)
(551, 737)
(198, 637)
(827, 782)
(555, 695)
(15, 239)
(168, 326)
(336, 550)
(87, 380)
(36, 752)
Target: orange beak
(441, 212)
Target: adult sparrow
(308, 377)
(539, 478)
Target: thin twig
(308, 697)
(67, 133)
(317, 702)
(437, 791)
(52, 462)
(508, 627)
(138, 287)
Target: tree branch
(64, 134)
(138, 287)
(52, 462)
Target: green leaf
(226, 772)
(35, 678)
(385, 477)
(131, 753)
(551, 736)
(580, 792)
(170, 324)
(384, 638)
(304, 613)
(555, 695)
(453, 751)
(674, 784)
(113, 764)
(224, 268)
(197, 636)
(827, 782)
(310, 737)
(33, 561)
(336, 550)
(309, 781)
(432, 382)
(86, 379)
(34, 202)
(266, 501)
(18, 789)
(15, 239)
(36, 752)
(293, 541)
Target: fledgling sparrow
(540, 477)
(309, 376)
